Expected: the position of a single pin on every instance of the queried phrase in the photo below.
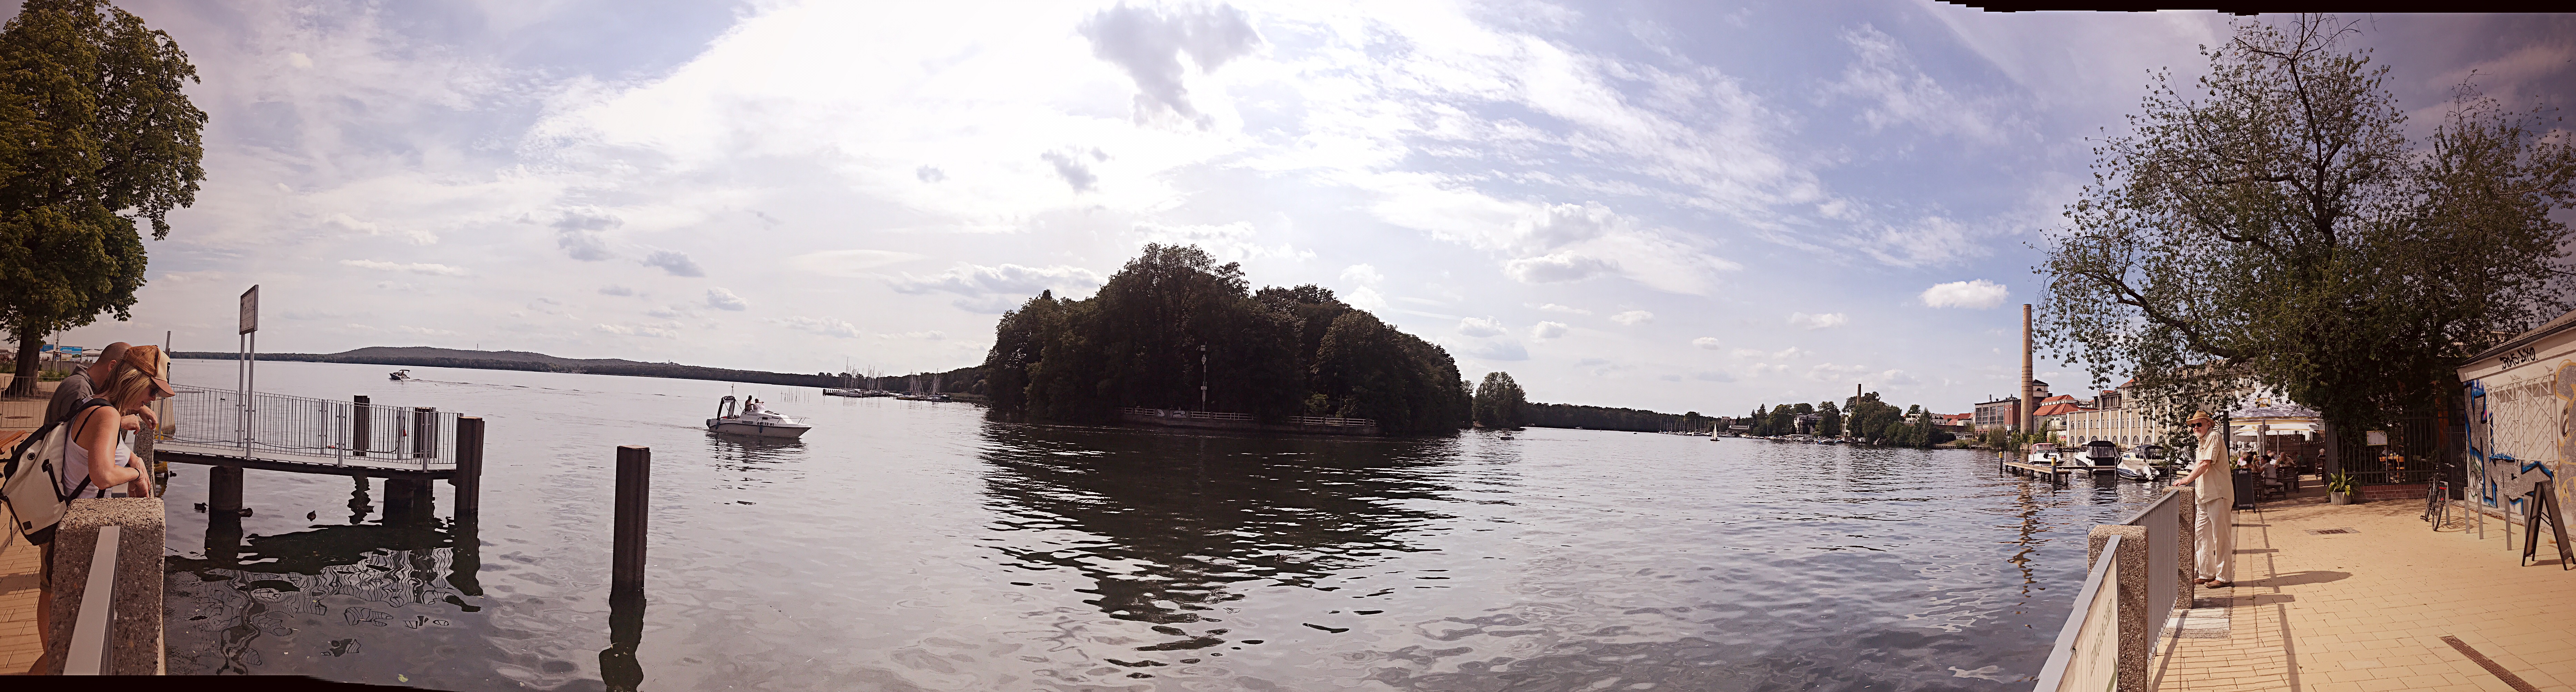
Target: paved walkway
(18, 562)
(2370, 610)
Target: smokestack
(2029, 409)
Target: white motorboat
(755, 421)
(2046, 454)
(399, 376)
(2143, 463)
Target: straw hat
(2199, 416)
(153, 363)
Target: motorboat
(399, 376)
(754, 420)
(2102, 455)
(2045, 454)
(2142, 463)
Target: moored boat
(755, 421)
(2142, 463)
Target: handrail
(2062, 654)
(88, 654)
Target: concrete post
(2134, 610)
(2186, 547)
(134, 644)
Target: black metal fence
(2420, 449)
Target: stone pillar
(2134, 609)
(2186, 547)
(134, 632)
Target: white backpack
(32, 480)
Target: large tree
(2273, 225)
(1499, 400)
(95, 135)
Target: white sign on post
(250, 310)
(2377, 438)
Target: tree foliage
(1172, 320)
(1539, 415)
(95, 134)
(1831, 424)
(1499, 401)
(2276, 227)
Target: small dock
(229, 431)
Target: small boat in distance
(754, 421)
(399, 376)
(834, 391)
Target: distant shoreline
(424, 357)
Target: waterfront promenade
(2369, 610)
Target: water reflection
(405, 573)
(1162, 523)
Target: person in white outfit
(2213, 487)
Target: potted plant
(2340, 488)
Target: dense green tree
(2273, 224)
(1499, 401)
(95, 135)
(1538, 415)
(1172, 320)
(1831, 423)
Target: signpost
(245, 373)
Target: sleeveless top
(76, 461)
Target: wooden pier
(229, 432)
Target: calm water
(908, 545)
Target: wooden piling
(634, 487)
(468, 480)
(223, 489)
(358, 428)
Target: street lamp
(1203, 377)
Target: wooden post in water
(468, 480)
(223, 489)
(358, 428)
(634, 489)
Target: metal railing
(2163, 522)
(308, 430)
(2087, 653)
(1337, 422)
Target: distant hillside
(960, 381)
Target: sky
(1666, 205)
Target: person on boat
(2213, 488)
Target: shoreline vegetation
(967, 381)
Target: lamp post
(1203, 377)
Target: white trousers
(2213, 531)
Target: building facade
(2112, 419)
(2000, 414)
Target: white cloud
(1979, 294)
(1232, 242)
(1707, 342)
(1633, 317)
(932, 335)
(825, 326)
(1365, 298)
(1480, 327)
(422, 268)
(1552, 307)
(1814, 322)
(1362, 274)
(579, 232)
(1899, 93)
(1501, 350)
(616, 290)
(1547, 330)
(996, 289)
(1148, 44)
(848, 263)
(1557, 267)
(1715, 376)
(412, 235)
(659, 332)
(722, 299)
(678, 264)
